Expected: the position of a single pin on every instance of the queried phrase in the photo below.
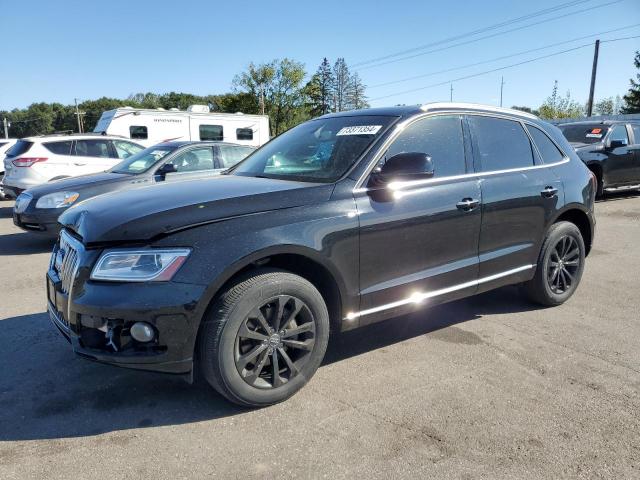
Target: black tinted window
(547, 149)
(138, 132)
(244, 134)
(211, 132)
(439, 137)
(619, 133)
(502, 144)
(60, 148)
(636, 133)
(93, 148)
(21, 146)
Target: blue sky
(55, 51)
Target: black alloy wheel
(563, 265)
(274, 342)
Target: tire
(599, 184)
(560, 243)
(233, 330)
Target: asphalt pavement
(487, 387)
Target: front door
(620, 163)
(419, 240)
(193, 163)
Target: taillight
(28, 161)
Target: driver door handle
(468, 204)
(549, 192)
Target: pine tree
(319, 90)
(341, 85)
(356, 97)
(632, 99)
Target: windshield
(584, 133)
(143, 160)
(316, 151)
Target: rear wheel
(560, 265)
(599, 182)
(264, 338)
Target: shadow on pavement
(6, 212)
(24, 244)
(622, 194)
(46, 392)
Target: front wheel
(264, 338)
(560, 266)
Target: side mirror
(404, 166)
(166, 168)
(617, 144)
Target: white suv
(5, 144)
(36, 160)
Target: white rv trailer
(151, 126)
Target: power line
(475, 32)
(501, 68)
(503, 57)
(467, 42)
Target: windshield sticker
(595, 133)
(359, 130)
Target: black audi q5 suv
(344, 220)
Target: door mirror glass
(617, 144)
(405, 166)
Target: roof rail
(474, 106)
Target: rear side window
(59, 148)
(440, 137)
(138, 131)
(548, 150)
(244, 134)
(21, 146)
(229, 155)
(502, 144)
(93, 148)
(211, 133)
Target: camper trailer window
(211, 133)
(138, 131)
(244, 134)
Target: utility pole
(78, 115)
(6, 127)
(593, 78)
(451, 94)
(501, 89)
(262, 99)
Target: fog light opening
(142, 332)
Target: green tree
(526, 109)
(277, 88)
(632, 98)
(604, 107)
(319, 90)
(342, 81)
(556, 106)
(356, 97)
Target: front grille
(66, 260)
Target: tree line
(281, 89)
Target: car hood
(76, 183)
(144, 213)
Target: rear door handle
(549, 192)
(467, 204)
(79, 164)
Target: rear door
(635, 147)
(519, 197)
(421, 238)
(93, 156)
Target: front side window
(139, 132)
(194, 160)
(244, 134)
(636, 133)
(502, 144)
(320, 150)
(144, 160)
(440, 137)
(212, 133)
(93, 148)
(229, 155)
(548, 150)
(619, 134)
(126, 149)
(59, 148)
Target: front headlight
(57, 200)
(153, 265)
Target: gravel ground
(488, 387)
